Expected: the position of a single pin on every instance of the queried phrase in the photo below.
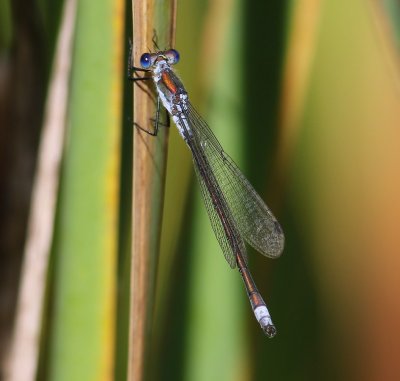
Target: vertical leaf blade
(85, 245)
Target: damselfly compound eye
(145, 60)
(173, 56)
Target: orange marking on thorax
(169, 84)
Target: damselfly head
(149, 59)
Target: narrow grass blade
(23, 361)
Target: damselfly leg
(131, 76)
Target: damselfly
(237, 213)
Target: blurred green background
(305, 97)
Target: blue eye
(173, 56)
(145, 60)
